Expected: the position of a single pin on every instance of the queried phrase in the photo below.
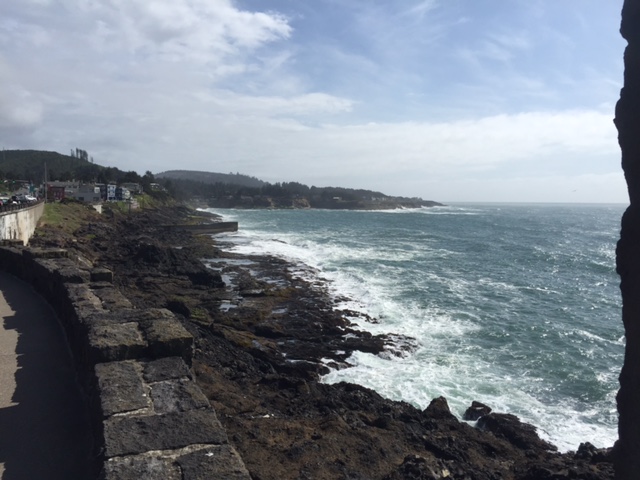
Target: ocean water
(516, 306)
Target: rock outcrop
(627, 450)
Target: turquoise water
(516, 306)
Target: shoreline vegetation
(263, 339)
(217, 190)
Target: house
(59, 190)
(134, 188)
(55, 193)
(111, 192)
(87, 193)
(122, 194)
(103, 190)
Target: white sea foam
(480, 334)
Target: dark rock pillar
(627, 450)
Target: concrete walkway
(43, 419)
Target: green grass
(68, 216)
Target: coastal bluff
(149, 418)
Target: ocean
(516, 306)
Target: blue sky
(451, 100)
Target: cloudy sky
(451, 100)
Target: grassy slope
(66, 217)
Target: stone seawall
(150, 419)
(19, 224)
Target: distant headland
(220, 190)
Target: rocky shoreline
(263, 338)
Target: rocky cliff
(627, 463)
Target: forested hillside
(212, 178)
(280, 195)
(29, 165)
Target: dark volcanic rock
(141, 467)
(135, 435)
(120, 388)
(627, 121)
(148, 255)
(415, 467)
(215, 462)
(510, 427)
(475, 411)
(439, 409)
(586, 451)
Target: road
(43, 420)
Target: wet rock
(509, 427)
(475, 411)
(439, 409)
(587, 451)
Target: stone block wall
(150, 419)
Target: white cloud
(420, 9)
(149, 84)
(300, 105)
(202, 30)
(175, 30)
(476, 143)
(19, 109)
(496, 46)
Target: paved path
(42, 416)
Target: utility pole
(46, 187)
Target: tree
(82, 154)
(130, 177)
(147, 180)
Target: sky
(448, 100)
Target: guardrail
(12, 207)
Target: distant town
(92, 193)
